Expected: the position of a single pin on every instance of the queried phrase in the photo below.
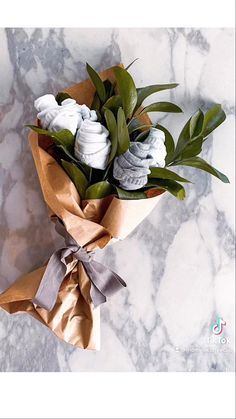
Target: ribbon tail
(104, 282)
(52, 279)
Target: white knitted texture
(69, 115)
(92, 145)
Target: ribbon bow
(104, 282)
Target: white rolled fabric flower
(92, 145)
(69, 115)
(157, 150)
(131, 169)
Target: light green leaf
(196, 123)
(99, 190)
(169, 185)
(144, 92)
(161, 107)
(127, 90)
(77, 177)
(62, 96)
(162, 173)
(112, 127)
(122, 133)
(123, 194)
(98, 83)
(63, 137)
(169, 143)
(113, 103)
(201, 164)
(212, 119)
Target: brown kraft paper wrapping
(93, 224)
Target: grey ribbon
(104, 282)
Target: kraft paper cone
(92, 223)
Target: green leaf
(161, 107)
(192, 148)
(113, 103)
(201, 164)
(169, 143)
(196, 124)
(144, 92)
(169, 185)
(123, 194)
(128, 66)
(96, 103)
(183, 138)
(162, 173)
(212, 119)
(122, 133)
(127, 90)
(109, 88)
(63, 137)
(112, 127)
(77, 177)
(99, 190)
(62, 96)
(140, 127)
(98, 83)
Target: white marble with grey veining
(179, 263)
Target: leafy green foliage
(162, 173)
(77, 177)
(122, 133)
(64, 137)
(62, 96)
(127, 91)
(169, 143)
(144, 92)
(169, 185)
(112, 127)
(99, 190)
(161, 107)
(98, 83)
(201, 164)
(123, 194)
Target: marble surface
(179, 263)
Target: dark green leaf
(122, 133)
(192, 148)
(196, 124)
(212, 119)
(99, 190)
(139, 127)
(127, 90)
(128, 66)
(63, 137)
(169, 185)
(113, 103)
(144, 92)
(203, 165)
(96, 103)
(98, 83)
(112, 127)
(77, 177)
(162, 173)
(183, 138)
(169, 143)
(109, 88)
(62, 96)
(142, 136)
(122, 194)
(161, 107)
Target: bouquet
(103, 166)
